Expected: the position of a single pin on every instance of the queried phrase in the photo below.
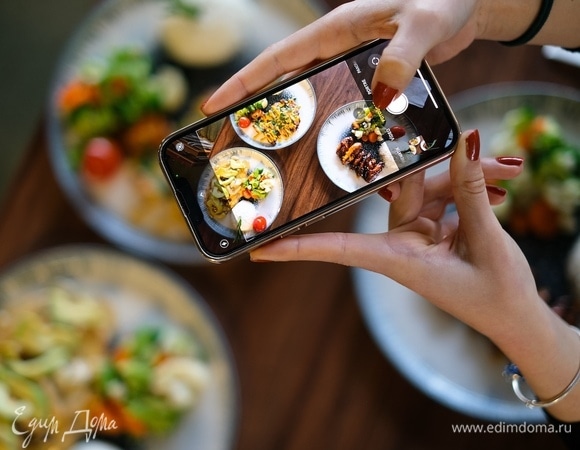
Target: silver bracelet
(513, 374)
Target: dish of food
(277, 121)
(240, 192)
(544, 199)
(117, 343)
(438, 354)
(127, 79)
(359, 144)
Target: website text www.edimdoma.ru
(503, 427)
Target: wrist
(505, 20)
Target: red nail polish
(495, 190)
(472, 142)
(510, 160)
(386, 194)
(383, 95)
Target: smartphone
(301, 150)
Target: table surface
(310, 374)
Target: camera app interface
(300, 149)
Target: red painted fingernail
(495, 190)
(386, 194)
(510, 160)
(383, 95)
(472, 142)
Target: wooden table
(310, 375)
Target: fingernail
(383, 95)
(495, 190)
(472, 142)
(386, 194)
(510, 160)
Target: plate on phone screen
(278, 121)
(439, 355)
(339, 126)
(236, 215)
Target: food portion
(366, 164)
(238, 186)
(204, 33)
(114, 114)
(543, 201)
(362, 149)
(61, 357)
(270, 121)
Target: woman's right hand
(417, 29)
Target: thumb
(469, 187)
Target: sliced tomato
(101, 159)
(244, 122)
(260, 224)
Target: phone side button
(288, 233)
(314, 220)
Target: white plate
(121, 23)
(142, 293)
(303, 94)
(337, 126)
(268, 208)
(438, 354)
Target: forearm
(546, 351)
(504, 20)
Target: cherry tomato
(101, 159)
(244, 122)
(259, 224)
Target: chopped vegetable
(234, 180)
(545, 197)
(58, 357)
(115, 112)
(155, 376)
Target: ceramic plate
(302, 94)
(118, 24)
(338, 126)
(438, 354)
(267, 208)
(141, 293)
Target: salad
(114, 114)
(544, 199)
(237, 187)
(270, 123)
(59, 354)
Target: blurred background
(339, 372)
(32, 36)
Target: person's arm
(560, 27)
(446, 28)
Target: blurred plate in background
(141, 294)
(439, 355)
(134, 208)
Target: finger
(469, 190)
(342, 248)
(494, 169)
(409, 202)
(400, 60)
(391, 192)
(332, 34)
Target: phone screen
(301, 151)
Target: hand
(465, 264)
(417, 29)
